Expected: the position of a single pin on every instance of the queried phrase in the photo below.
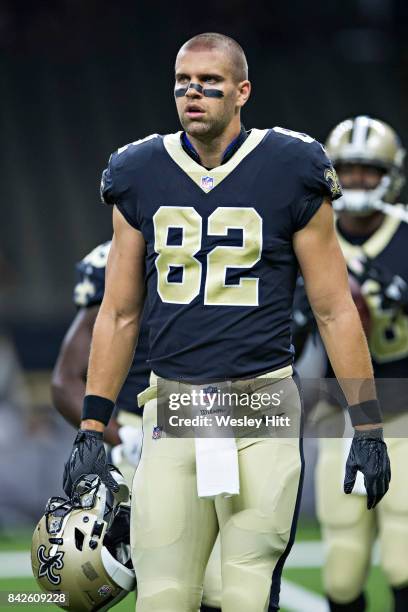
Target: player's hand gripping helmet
(81, 546)
(371, 142)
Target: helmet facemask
(363, 202)
(81, 546)
(368, 142)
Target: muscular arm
(117, 324)
(69, 375)
(326, 281)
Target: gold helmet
(367, 141)
(81, 546)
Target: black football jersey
(220, 265)
(388, 336)
(88, 291)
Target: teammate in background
(215, 220)
(124, 431)
(368, 157)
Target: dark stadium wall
(79, 79)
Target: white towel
(359, 487)
(217, 467)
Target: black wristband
(369, 434)
(366, 413)
(97, 408)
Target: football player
(368, 158)
(215, 221)
(124, 430)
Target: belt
(151, 392)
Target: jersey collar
(375, 244)
(207, 180)
(228, 153)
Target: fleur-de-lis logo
(331, 177)
(49, 564)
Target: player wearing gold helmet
(368, 157)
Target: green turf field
(378, 593)
(306, 578)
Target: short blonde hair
(213, 40)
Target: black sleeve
(318, 181)
(115, 188)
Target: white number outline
(136, 142)
(294, 134)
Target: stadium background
(78, 78)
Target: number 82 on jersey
(219, 259)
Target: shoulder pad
(299, 147)
(292, 134)
(136, 143)
(123, 163)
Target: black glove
(88, 457)
(368, 453)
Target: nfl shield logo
(104, 590)
(207, 183)
(157, 432)
(208, 391)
